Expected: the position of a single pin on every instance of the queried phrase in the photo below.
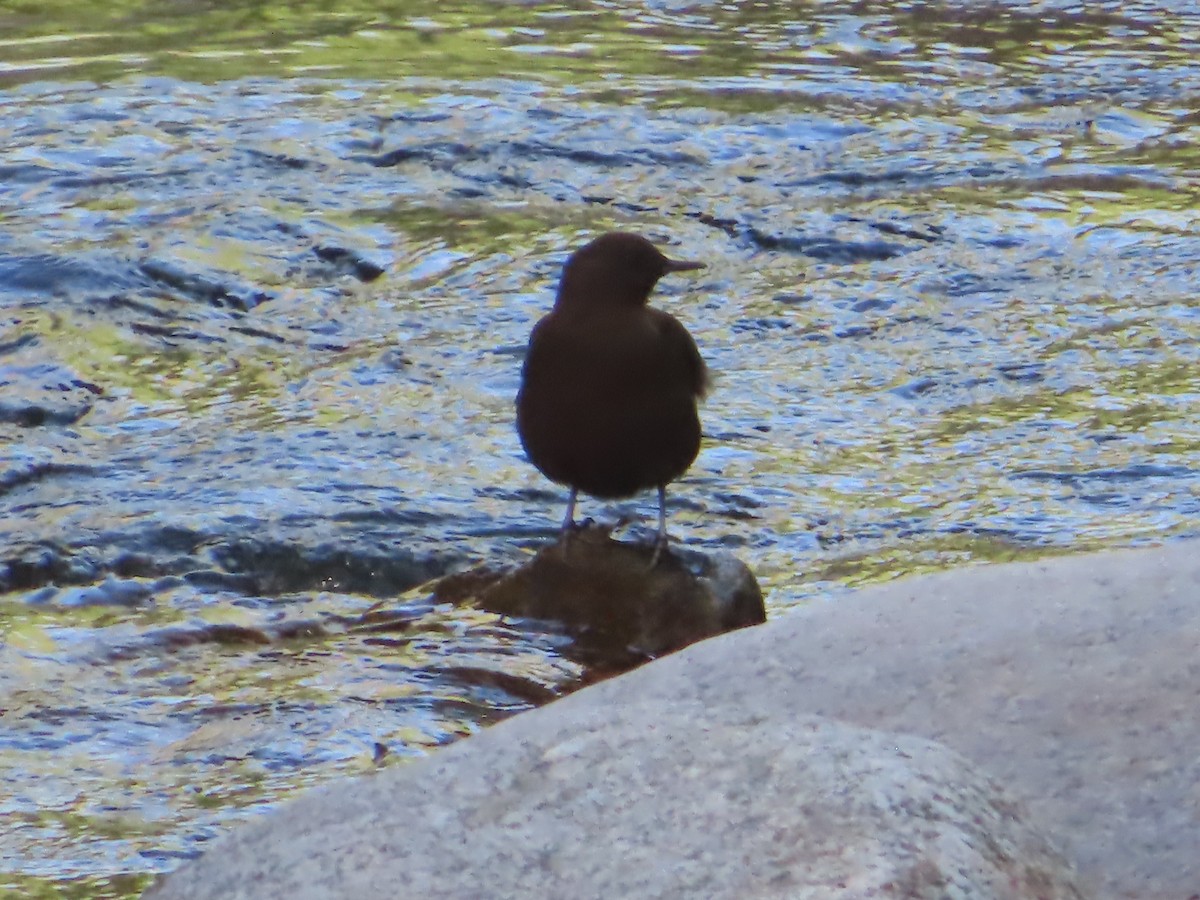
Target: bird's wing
(681, 346)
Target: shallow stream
(266, 276)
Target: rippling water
(265, 279)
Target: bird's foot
(572, 530)
(660, 544)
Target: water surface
(265, 280)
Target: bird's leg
(660, 542)
(568, 524)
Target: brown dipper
(608, 394)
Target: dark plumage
(608, 394)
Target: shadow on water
(266, 275)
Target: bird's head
(616, 269)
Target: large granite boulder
(584, 799)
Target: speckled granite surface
(1075, 682)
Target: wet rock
(1022, 372)
(827, 249)
(35, 391)
(928, 231)
(590, 156)
(840, 239)
(761, 324)
(30, 414)
(350, 262)
(43, 595)
(37, 565)
(278, 567)
(619, 608)
(396, 360)
(204, 288)
(110, 592)
(915, 388)
(16, 343)
(43, 563)
(872, 303)
(176, 637)
(855, 331)
(441, 153)
(269, 565)
(793, 299)
(211, 580)
(501, 683)
(48, 275)
(589, 799)
(253, 331)
(279, 160)
(18, 473)
(134, 565)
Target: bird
(610, 385)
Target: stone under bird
(610, 385)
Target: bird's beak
(682, 265)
